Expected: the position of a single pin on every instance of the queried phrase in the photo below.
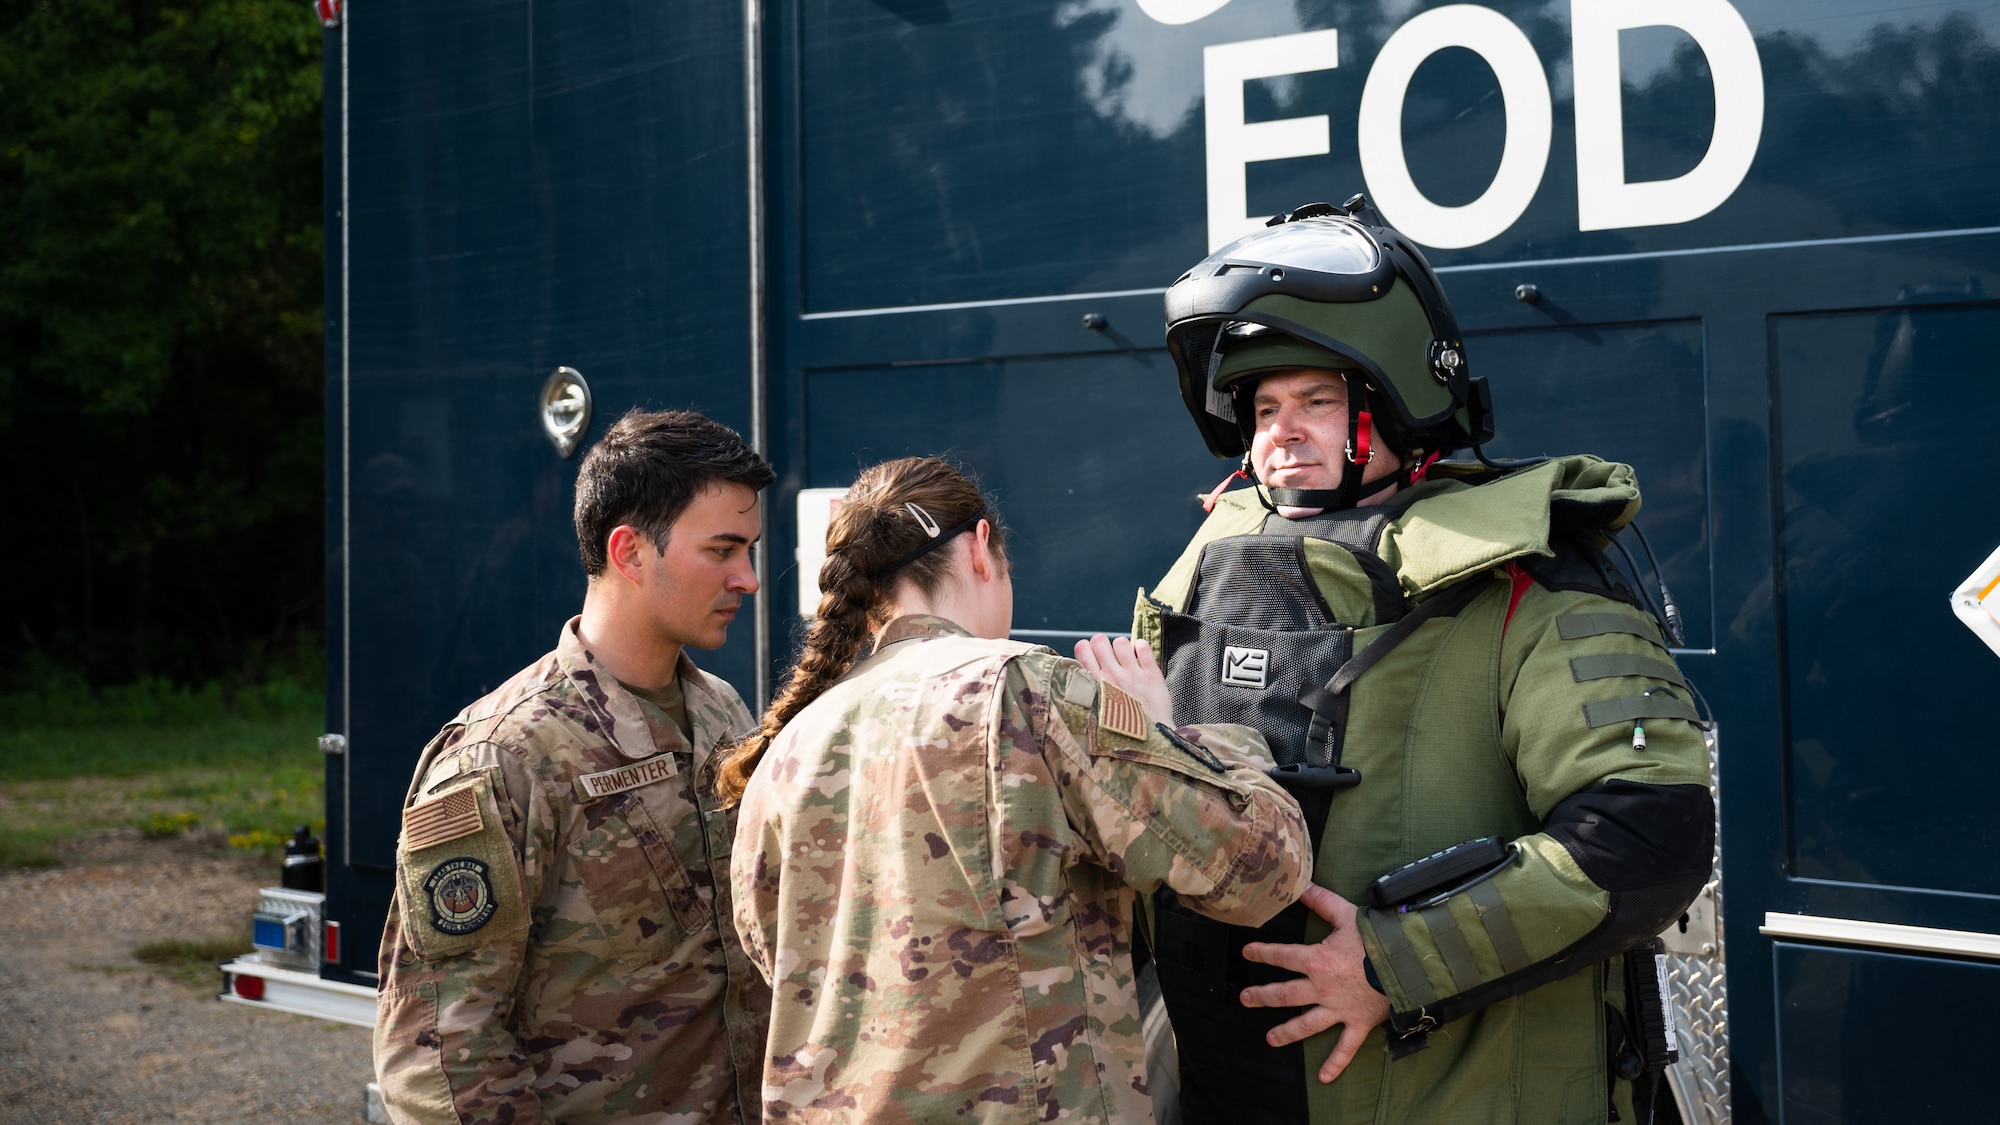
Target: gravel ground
(89, 1034)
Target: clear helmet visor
(1337, 247)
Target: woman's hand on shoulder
(1129, 664)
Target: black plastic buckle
(1315, 779)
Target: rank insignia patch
(461, 895)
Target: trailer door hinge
(1698, 933)
(333, 745)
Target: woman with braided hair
(941, 831)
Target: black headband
(933, 542)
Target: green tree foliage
(160, 334)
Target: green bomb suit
(1513, 717)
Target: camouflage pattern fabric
(935, 867)
(560, 946)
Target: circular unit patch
(461, 895)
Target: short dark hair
(646, 470)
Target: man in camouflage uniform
(559, 948)
(935, 872)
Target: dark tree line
(160, 336)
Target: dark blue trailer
(1742, 246)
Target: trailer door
(513, 189)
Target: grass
(191, 962)
(165, 761)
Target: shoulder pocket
(460, 884)
(1169, 751)
(1149, 744)
(1094, 720)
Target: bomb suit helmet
(1326, 286)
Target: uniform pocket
(409, 1054)
(628, 869)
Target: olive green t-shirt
(667, 700)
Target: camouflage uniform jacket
(935, 864)
(560, 947)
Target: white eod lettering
(1605, 199)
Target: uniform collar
(917, 627)
(1460, 521)
(617, 711)
(1469, 521)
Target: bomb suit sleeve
(469, 863)
(1626, 831)
(1189, 808)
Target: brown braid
(870, 529)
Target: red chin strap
(1243, 473)
(1208, 505)
(1417, 474)
(1359, 450)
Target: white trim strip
(1476, 267)
(1039, 633)
(1883, 935)
(346, 472)
(1799, 244)
(753, 143)
(840, 314)
(302, 994)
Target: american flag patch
(1121, 714)
(443, 818)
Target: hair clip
(924, 520)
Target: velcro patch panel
(1604, 665)
(1625, 709)
(1080, 690)
(458, 888)
(1576, 626)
